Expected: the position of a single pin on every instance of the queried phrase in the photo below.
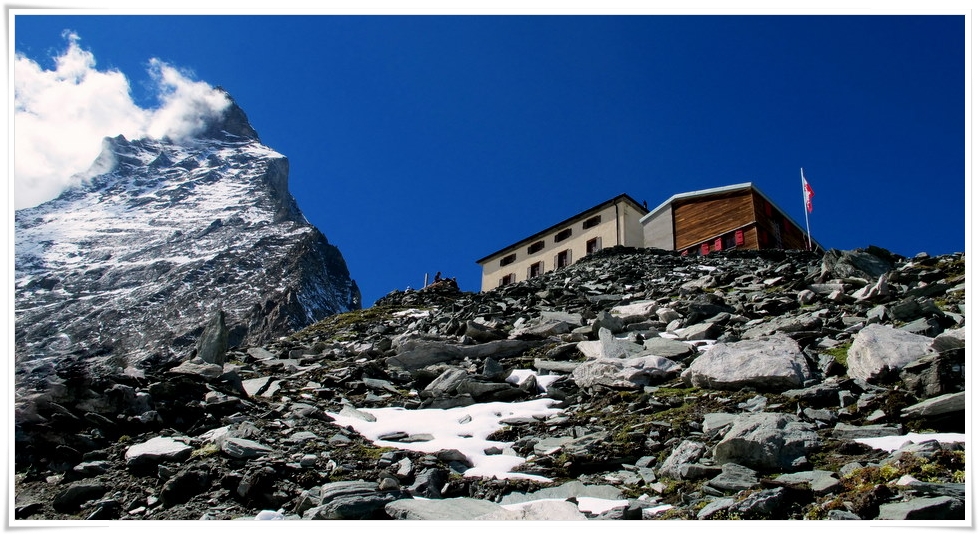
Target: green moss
(839, 353)
(209, 449)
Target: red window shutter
(739, 237)
(704, 249)
(786, 225)
(764, 237)
(768, 209)
(718, 244)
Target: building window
(592, 222)
(593, 245)
(562, 235)
(730, 241)
(704, 249)
(536, 247)
(738, 237)
(718, 244)
(507, 260)
(508, 279)
(563, 259)
(535, 269)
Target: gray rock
(769, 363)
(820, 482)
(869, 263)
(455, 509)
(933, 375)
(761, 503)
(608, 321)
(949, 340)
(629, 373)
(668, 348)
(924, 326)
(924, 508)
(609, 346)
(668, 315)
(243, 448)
(445, 384)
(699, 331)
(949, 403)
(183, 486)
(351, 500)
(878, 351)
(71, 498)
(783, 325)
(715, 507)
(541, 331)
(156, 450)
(573, 489)
(482, 333)
(715, 424)
(687, 452)
(198, 367)
(213, 343)
(573, 319)
(873, 292)
(845, 431)
(767, 441)
(842, 515)
(538, 511)
(735, 477)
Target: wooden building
(735, 216)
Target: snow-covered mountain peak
(161, 235)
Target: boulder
(156, 450)
(352, 500)
(687, 452)
(668, 348)
(630, 373)
(869, 263)
(767, 441)
(213, 343)
(608, 346)
(879, 351)
(774, 363)
(455, 509)
(924, 508)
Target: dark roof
(565, 222)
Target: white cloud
(62, 115)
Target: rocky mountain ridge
(125, 270)
(634, 384)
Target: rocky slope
(127, 269)
(635, 384)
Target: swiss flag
(807, 191)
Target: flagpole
(805, 207)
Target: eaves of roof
(569, 220)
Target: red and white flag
(808, 193)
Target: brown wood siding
(704, 218)
(792, 236)
(750, 238)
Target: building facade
(613, 222)
(695, 223)
(732, 217)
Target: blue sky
(422, 143)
